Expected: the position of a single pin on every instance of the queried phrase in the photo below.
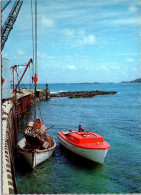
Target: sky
(78, 41)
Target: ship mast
(35, 75)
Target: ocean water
(116, 117)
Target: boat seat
(66, 132)
(30, 124)
(43, 128)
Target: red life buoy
(35, 79)
(3, 80)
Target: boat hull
(36, 157)
(96, 155)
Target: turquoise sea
(116, 117)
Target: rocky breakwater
(82, 94)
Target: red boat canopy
(84, 137)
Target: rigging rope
(40, 113)
(18, 78)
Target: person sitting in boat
(38, 120)
(80, 128)
(70, 130)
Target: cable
(40, 113)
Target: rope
(40, 113)
(19, 77)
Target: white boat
(86, 144)
(35, 156)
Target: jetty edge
(43, 95)
(82, 94)
(14, 107)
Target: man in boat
(38, 122)
(80, 128)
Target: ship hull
(36, 157)
(96, 155)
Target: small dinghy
(85, 143)
(36, 147)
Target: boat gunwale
(83, 146)
(36, 150)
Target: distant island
(134, 81)
(90, 83)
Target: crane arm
(30, 61)
(8, 25)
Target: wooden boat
(85, 143)
(35, 156)
(36, 147)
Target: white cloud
(85, 40)
(73, 32)
(128, 21)
(47, 22)
(69, 32)
(134, 69)
(130, 59)
(115, 67)
(20, 52)
(105, 68)
(102, 68)
(124, 73)
(4, 55)
(42, 55)
(71, 67)
(132, 8)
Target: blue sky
(79, 41)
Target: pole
(46, 90)
(13, 80)
(23, 73)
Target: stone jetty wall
(9, 138)
(12, 109)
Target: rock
(82, 94)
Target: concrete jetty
(12, 108)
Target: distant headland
(134, 81)
(90, 83)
